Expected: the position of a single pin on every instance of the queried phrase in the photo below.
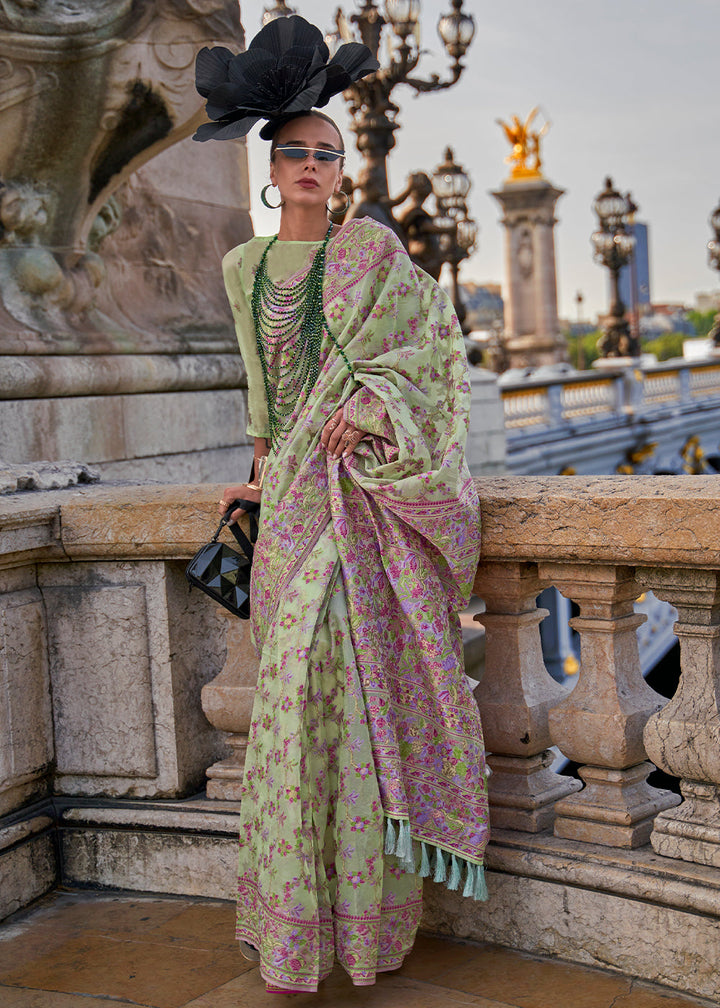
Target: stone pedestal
(116, 339)
(486, 444)
(600, 724)
(227, 703)
(532, 331)
(631, 911)
(514, 697)
(684, 737)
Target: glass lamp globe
(403, 15)
(611, 207)
(450, 183)
(466, 233)
(281, 9)
(456, 31)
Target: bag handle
(242, 539)
(237, 532)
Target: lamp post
(580, 362)
(451, 186)
(371, 107)
(614, 246)
(714, 261)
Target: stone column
(514, 697)
(532, 330)
(600, 724)
(684, 737)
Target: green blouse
(286, 258)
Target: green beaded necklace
(289, 325)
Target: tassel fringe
(424, 861)
(442, 865)
(390, 843)
(454, 881)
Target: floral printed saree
(365, 769)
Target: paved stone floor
(107, 950)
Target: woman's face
(306, 182)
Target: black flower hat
(283, 73)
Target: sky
(630, 88)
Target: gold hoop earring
(266, 202)
(344, 209)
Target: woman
(365, 769)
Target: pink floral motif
(362, 710)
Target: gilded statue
(525, 142)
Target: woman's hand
(340, 438)
(231, 493)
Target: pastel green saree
(365, 769)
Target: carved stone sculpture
(91, 92)
(116, 338)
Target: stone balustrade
(105, 655)
(556, 402)
(616, 419)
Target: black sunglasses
(300, 153)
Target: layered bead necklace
(289, 324)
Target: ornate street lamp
(372, 110)
(714, 261)
(614, 246)
(451, 186)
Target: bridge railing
(603, 542)
(108, 665)
(567, 399)
(600, 541)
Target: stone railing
(576, 874)
(107, 656)
(569, 398)
(624, 420)
(602, 542)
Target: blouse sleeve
(258, 424)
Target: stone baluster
(227, 703)
(684, 737)
(600, 723)
(514, 696)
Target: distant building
(660, 318)
(635, 277)
(484, 304)
(668, 308)
(707, 301)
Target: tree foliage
(702, 321)
(666, 346)
(586, 344)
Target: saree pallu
(365, 769)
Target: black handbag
(222, 572)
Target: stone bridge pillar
(532, 331)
